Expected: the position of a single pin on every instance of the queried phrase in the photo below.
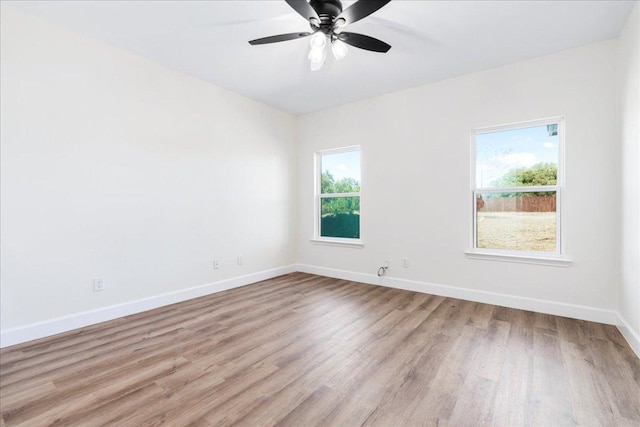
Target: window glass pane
(340, 172)
(517, 157)
(516, 221)
(340, 217)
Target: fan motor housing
(327, 10)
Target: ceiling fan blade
(279, 38)
(364, 42)
(304, 9)
(358, 10)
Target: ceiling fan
(326, 19)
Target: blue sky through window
(342, 165)
(499, 152)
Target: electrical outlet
(405, 262)
(98, 285)
(216, 264)
(240, 260)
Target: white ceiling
(431, 41)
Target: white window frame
(557, 258)
(318, 196)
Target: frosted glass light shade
(317, 57)
(318, 40)
(339, 49)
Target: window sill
(522, 259)
(351, 243)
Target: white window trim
(515, 256)
(557, 258)
(354, 243)
(333, 241)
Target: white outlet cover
(98, 285)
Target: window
(517, 189)
(338, 195)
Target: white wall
(416, 185)
(629, 87)
(115, 167)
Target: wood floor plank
(414, 399)
(451, 376)
(586, 391)
(513, 405)
(434, 409)
(481, 315)
(623, 395)
(85, 368)
(490, 356)
(191, 406)
(268, 409)
(474, 404)
(300, 373)
(46, 411)
(307, 350)
(550, 391)
(101, 410)
(314, 410)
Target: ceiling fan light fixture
(318, 40)
(326, 18)
(339, 49)
(315, 66)
(317, 56)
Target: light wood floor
(304, 350)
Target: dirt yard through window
(524, 231)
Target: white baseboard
(592, 314)
(632, 337)
(78, 320)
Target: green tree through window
(341, 205)
(544, 173)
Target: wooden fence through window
(517, 204)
